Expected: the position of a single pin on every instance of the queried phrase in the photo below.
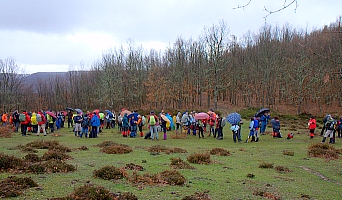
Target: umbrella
(79, 111)
(71, 109)
(51, 114)
(96, 111)
(261, 112)
(201, 115)
(125, 111)
(64, 112)
(164, 118)
(108, 112)
(135, 115)
(233, 118)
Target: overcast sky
(52, 35)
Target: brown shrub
(132, 166)
(176, 150)
(31, 157)
(110, 173)
(178, 136)
(51, 166)
(219, 152)
(83, 148)
(199, 158)
(198, 196)
(282, 169)
(172, 177)
(55, 155)
(266, 195)
(106, 143)
(323, 151)
(41, 144)
(288, 153)
(250, 175)
(6, 131)
(90, 192)
(178, 163)
(157, 149)
(27, 149)
(14, 186)
(116, 149)
(9, 163)
(59, 148)
(265, 165)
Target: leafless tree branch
(286, 5)
(243, 6)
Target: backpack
(329, 125)
(110, 115)
(256, 124)
(143, 120)
(223, 122)
(22, 117)
(39, 118)
(152, 120)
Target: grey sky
(51, 35)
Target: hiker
(276, 127)
(113, 122)
(251, 136)
(211, 122)
(325, 119)
(85, 126)
(162, 123)
(109, 118)
(70, 121)
(51, 122)
(102, 118)
(329, 126)
(219, 128)
(24, 119)
(41, 122)
(15, 119)
(200, 126)
(193, 124)
(125, 125)
(78, 127)
(4, 119)
(95, 123)
(312, 126)
(256, 128)
(235, 130)
(152, 122)
(133, 127)
(178, 121)
(140, 124)
(264, 121)
(34, 122)
(339, 127)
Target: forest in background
(283, 68)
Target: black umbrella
(71, 109)
(261, 112)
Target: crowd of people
(131, 124)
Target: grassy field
(237, 176)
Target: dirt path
(320, 175)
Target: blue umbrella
(108, 112)
(135, 114)
(233, 118)
(79, 111)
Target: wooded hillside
(280, 67)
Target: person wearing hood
(125, 125)
(41, 122)
(24, 122)
(329, 126)
(95, 123)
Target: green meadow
(239, 175)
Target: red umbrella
(201, 115)
(51, 114)
(125, 111)
(96, 111)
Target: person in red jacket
(24, 124)
(41, 122)
(312, 126)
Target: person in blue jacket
(264, 121)
(95, 122)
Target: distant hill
(44, 76)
